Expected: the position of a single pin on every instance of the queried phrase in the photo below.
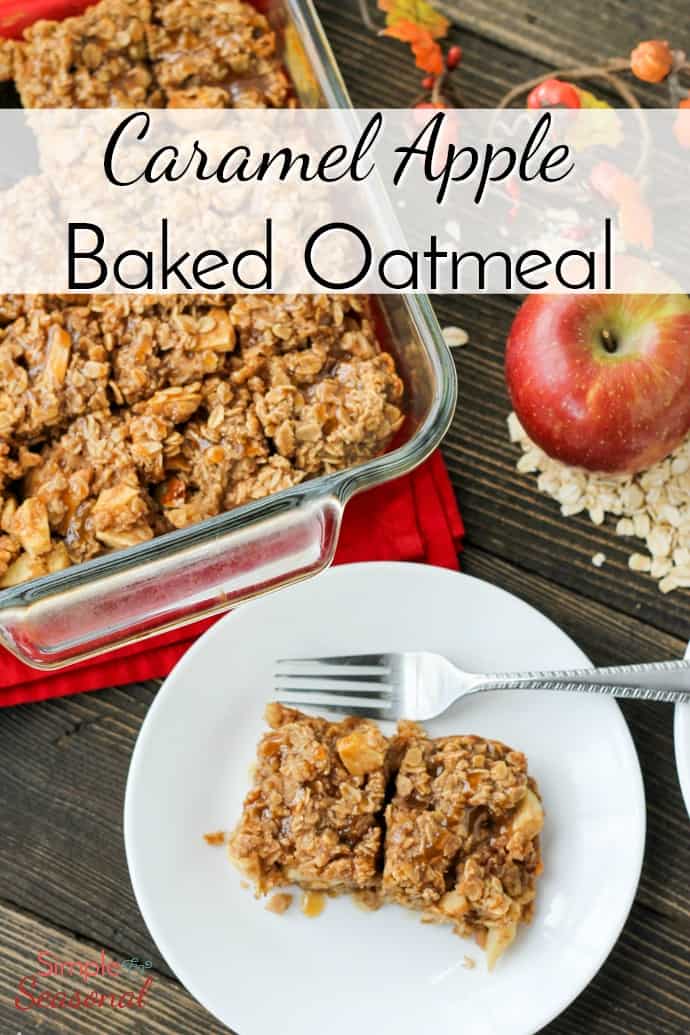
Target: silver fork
(420, 685)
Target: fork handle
(656, 681)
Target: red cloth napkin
(414, 518)
(16, 15)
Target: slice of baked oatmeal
(215, 54)
(462, 835)
(313, 816)
(95, 60)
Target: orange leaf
(419, 12)
(634, 215)
(426, 50)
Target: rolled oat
(652, 506)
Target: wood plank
(380, 73)
(503, 45)
(165, 1006)
(64, 766)
(565, 34)
(552, 35)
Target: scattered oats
(632, 497)
(642, 525)
(515, 429)
(638, 562)
(659, 541)
(652, 506)
(660, 566)
(569, 492)
(468, 963)
(569, 509)
(547, 483)
(529, 461)
(455, 337)
(279, 903)
(670, 514)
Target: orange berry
(554, 93)
(651, 61)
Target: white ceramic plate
(682, 745)
(383, 972)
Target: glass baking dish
(209, 567)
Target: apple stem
(609, 341)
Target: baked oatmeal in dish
(448, 827)
(126, 416)
(313, 816)
(150, 53)
(462, 835)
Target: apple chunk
(602, 381)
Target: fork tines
(337, 683)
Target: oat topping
(449, 827)
(308, 820)
(123, 417)
(96, 60)
(462, 835)
(652, 506)
(150, 53)
(215, 54)
(126, 416)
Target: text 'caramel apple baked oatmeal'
(448, 827)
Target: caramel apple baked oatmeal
(448, 827)
(313, 817)
(150, 53)
(126, 416)
(462, 835)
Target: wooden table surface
(64, 886)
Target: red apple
(602, 381)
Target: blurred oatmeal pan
(165, 457)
